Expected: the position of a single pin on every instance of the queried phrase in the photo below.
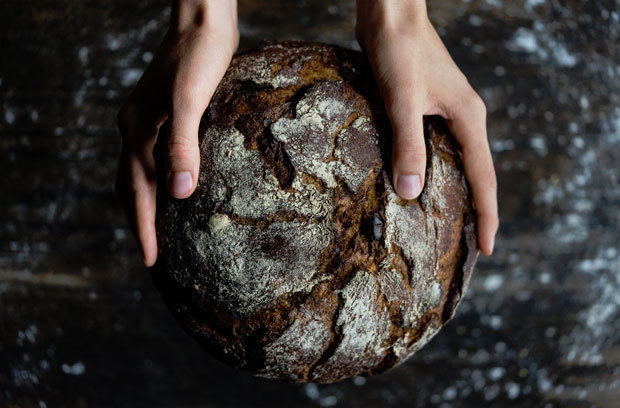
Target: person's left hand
(417, 77)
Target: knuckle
(473, 104)
(181, 149)
(413, 156)
(181, 145)
(410, 148)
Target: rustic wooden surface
(81, 324)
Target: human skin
(413, 69)
(417, 77)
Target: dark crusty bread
(295, 259)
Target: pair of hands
(412, 67)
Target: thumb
(408, 148)
(183, 150)
(202, 67)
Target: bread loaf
(294, 259)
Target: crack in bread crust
(295, 259)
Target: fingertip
(148, 246)
(487, 249)
(487, 243)
(149, 257)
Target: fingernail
(181, 183)
(409, 185)
(492, 245)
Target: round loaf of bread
(295, 259)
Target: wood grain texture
(80, 321)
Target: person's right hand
(176, 86)
(417, 76)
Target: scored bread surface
(294, 258)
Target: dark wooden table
(82, 326)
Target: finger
(408, 149)
(144, 199)
(196, 81)
(137, 187)
(467, 121)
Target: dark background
(81, 324)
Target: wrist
(375, 16)
(192, 16)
